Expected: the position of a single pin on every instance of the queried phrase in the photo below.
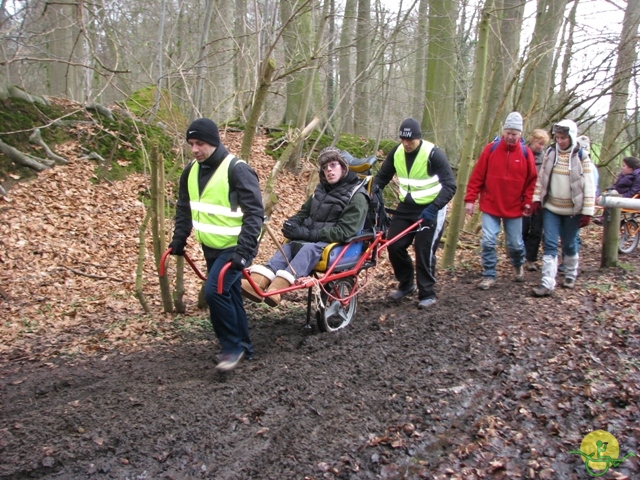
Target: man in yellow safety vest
(426, 185)
(219, 199)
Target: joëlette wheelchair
(334, 283)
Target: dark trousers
(532, 236)
(425, 246)
(226, 310)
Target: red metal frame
(377, 242)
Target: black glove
(299, 232)
(238, 261)
(294, 220)
(293, 231)
(177, 247)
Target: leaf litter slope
(491, 384)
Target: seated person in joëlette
(335, 212)
(628, 181)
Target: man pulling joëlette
(219, 198)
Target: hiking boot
(519, 275)
(426, 303)
(229, 361)
(400, 294)
(542, 291)
(486, 283)
(569, 283)
(531, 266)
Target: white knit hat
(513, 122)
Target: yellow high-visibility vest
(214, 223)
(423, 188)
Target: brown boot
(283, 280)
(262, 276)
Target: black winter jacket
(333, 212)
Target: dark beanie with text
(410, 129)
(205, 130)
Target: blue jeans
(515, 245)
(564, 227)
(302, 262)
(226, 310)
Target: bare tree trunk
(537, 76)
(417, 96)
(361, 104)
(345, 66)
(159, 60)
(504, 45)
(178, 291)
(222, 87)
(244, 69)
(256, 109)
(456, 219)
(616, 118)
(568, 53)
(201, 67)
(297, 46)
(65, 49)
(331, 77)
(157, 222)
(294, 162)
(439, 114)
(140, 267)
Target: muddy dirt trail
(483, 385)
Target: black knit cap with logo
(410, 129)
(205, 130)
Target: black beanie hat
(410, 129)
(205, 130)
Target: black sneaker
(229, 361)
(400, 294)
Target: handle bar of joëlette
(163, 260)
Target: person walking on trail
(565, 193)
(503, 178)
(426, 185)
(219, 199)
(335, 212)
(532, 224)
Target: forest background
(356, 67)
(492, 384)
